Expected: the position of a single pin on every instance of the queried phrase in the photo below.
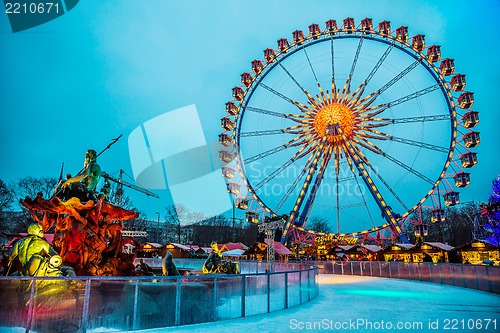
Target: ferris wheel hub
(330, 115)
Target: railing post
(390, 270)
(350, 264)
(371, 270)
(268, 292)
(475, 276)
(136, 305)
(379, 268)
(31, 306)
(300, 286)
(86, 302)
(286, 290)
(342, 268)
(308, 284)
(464, 281)
(215, 298)
(440, 275)
(418, 270)
(488, 279)
(243, 295)
(361, 267)
(178, 301)
(430, 273)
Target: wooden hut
(396, 252)
(478, 252)
(425, 251)
(179, 250)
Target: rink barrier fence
(136, 303)
(479, 277)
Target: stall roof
(234, 246)
(280, 248)
(487, 244)
(404, 246)
(155, 245)
(440, 246)
(207, 250)
(180, 246)
(233, 253)
(372, 248)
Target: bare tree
(122, 200)
(31, 186)
(6, 196)
(319, 224)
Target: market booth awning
(233, 253)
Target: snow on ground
(369, 304)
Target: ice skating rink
(371, 304)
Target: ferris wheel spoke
(408, 168)
(365, 204)
(359, 160)
(347, 86)
(380, 122)
(305, 187)
(376, 173)
(365, 143)
(384, 136)
(418, 144)
(382, 107)
(300, 153)
(304, 216)
(291, 143)
(299, 105)
(296, 181)
(359, 91)
(266, 112)
(334, 88)
(314, 74)
(311, 99)
(373, 96)
(289, 130)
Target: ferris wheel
(355, 125)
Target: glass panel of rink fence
(481, 277)
(134, 303)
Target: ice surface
(370, 299)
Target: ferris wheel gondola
(359, 109)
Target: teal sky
(106, 67)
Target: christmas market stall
(479, 252)
(396, 252)
(430, 252)
(258, 251)
(150, 250)
(179, 250)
